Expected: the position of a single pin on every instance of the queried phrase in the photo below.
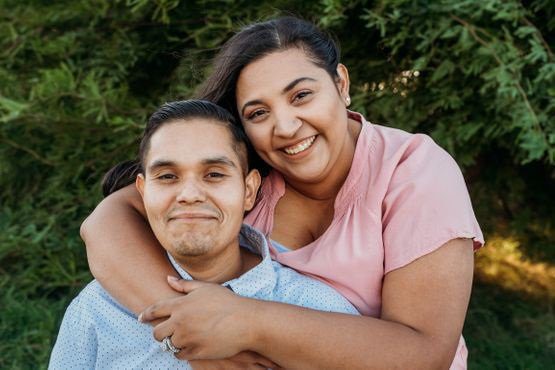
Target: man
(196, 186)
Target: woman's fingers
(206, 323)
(165, 307)
(223, 365)
(165, 329)
(184, 286)
(159, 310)
(250, 357)
(244, 360)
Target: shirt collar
(260, 280)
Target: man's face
(193, 189)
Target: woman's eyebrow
(295, 82)
(252, 102)
(286, 89)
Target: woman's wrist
(251, 318)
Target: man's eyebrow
(287, 88)
(159, 163)
(222, 161)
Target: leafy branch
(27, 150)
(540, 37)
(472, 29)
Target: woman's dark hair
(124, 173)
(246, 46)
(119, 176)
(258, 40)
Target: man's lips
(192, 216)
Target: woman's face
(294, 114)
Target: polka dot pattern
(99, 333)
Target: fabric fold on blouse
(403, 198)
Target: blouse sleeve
(426, 205)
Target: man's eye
(215, 175)
(166, 176)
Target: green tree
(79, 78)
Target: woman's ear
(343, 83)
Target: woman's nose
(287, 126)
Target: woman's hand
(244, 360)
(209, 322)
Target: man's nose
(191, 192)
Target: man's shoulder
(92, 292)
(94, 302)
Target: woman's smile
(295, 116)
(300, 147)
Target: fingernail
(140, 318)
(172, 278)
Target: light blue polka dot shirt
(99, 333)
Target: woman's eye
(301, 95)
(257, 114)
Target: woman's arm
(123, 253)
(125, 256)
(423, 309)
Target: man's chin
(191, 249)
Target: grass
(510, 322)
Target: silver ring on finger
(168, 346)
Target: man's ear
(140, 184)
(252, 183)
(343, 82)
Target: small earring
(348, 100)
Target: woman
(382, 215)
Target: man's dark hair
(124, 173)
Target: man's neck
(233, 262)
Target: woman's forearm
(298, 338)
(423, 310)
(123, 253)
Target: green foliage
(79, 78)
(485, 74)
(504, 331)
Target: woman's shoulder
(386, 153)
(384, 143)
(419, 190)
(401, 144)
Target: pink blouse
(403, 198)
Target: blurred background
(79, 78)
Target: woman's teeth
(300, 147)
